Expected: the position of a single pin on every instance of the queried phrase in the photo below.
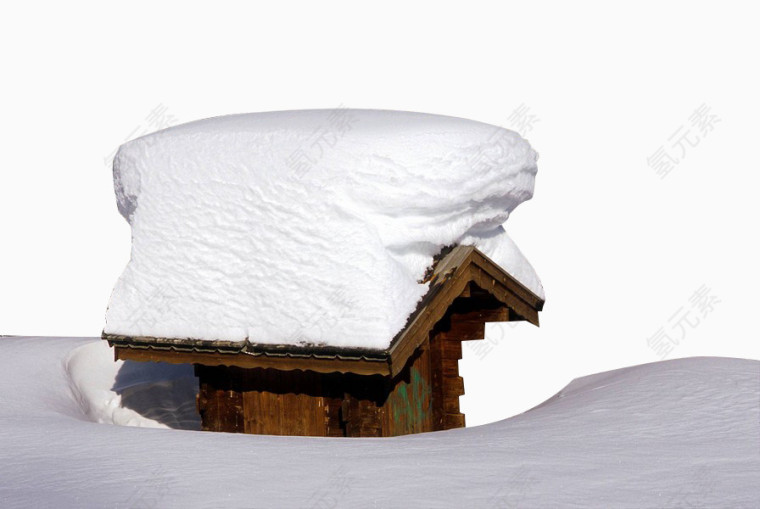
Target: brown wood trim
(415, 336)
(360, 367)
(233, 347)
(486, 281)
(453, 421)
(452, 268)
(506, 279)
(457, 271)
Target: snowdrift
(308, 227)
(680, 433)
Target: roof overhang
(454, 275)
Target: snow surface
(680, 433)
(308, 227)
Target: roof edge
(457, 265)
(245, 347)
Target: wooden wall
(409, 406)
(273, 402)
(423, 397)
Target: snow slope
(680, 433)
(308, 227)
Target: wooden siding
(409, 406)
(275, 402)
(220, 401)
(424, 396)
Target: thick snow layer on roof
(674, 434)
(308, 227)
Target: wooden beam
(418, 331)
(487, 282)
(513, 285)
(360, 367)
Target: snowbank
(144, 394)
(680, 433)
(308, 226)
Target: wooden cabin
(411, 387)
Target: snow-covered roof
(462, 281)
(308, 227)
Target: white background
(596, 88)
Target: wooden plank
(463, 324)
(252, 405)
(452, 349)
(456, 385)
(448, 283)
(332, 418)
(362, 367)
(361, 412)
(406, 348)
(450, 404)
(263, 401)
(409, 407)
(332, 395)
(466, 331)
(220, 405)
(452, 421)
(370, 419)
(447, 384)
(436, 363)
(488, 283)
(507, 280)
